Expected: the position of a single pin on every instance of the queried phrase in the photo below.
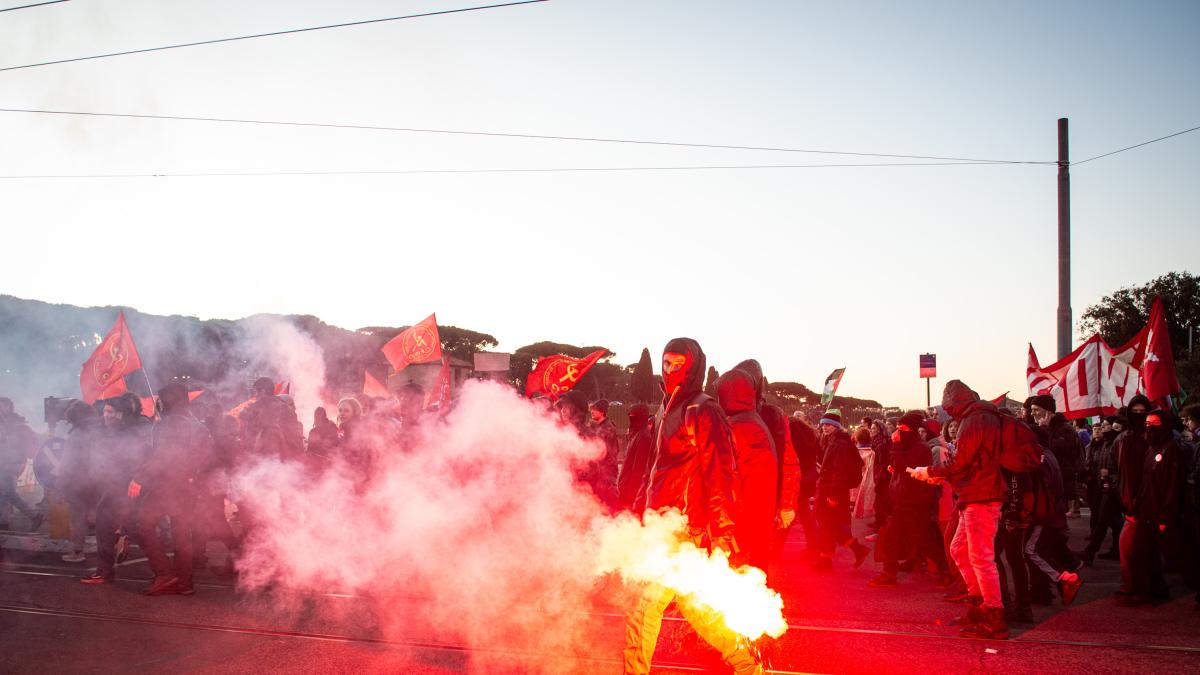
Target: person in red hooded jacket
(692, 472)
(757, 469)
(975, 474)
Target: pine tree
(643, 379)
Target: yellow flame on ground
(657, 550)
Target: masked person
(841, 471)
(120, 449)
(165, 485)
(1130, 449)
(1159, 513)
(975, 474)
(602, 428)
(757, 469)
(787, 480)
(912, 500)
(693, 472)
(18, 443)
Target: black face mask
(1137, 421)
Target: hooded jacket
(787, 478)
(908, 492)
(637, 463)
(836, 466)
(757, 470)
(1160, 497)
(974, 470)
(693, 453)
(1130, 449)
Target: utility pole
(1064, 242)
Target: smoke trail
(483, 520)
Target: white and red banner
(1096, 379)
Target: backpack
(1020, 451)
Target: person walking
(841, 471)
(975, 474)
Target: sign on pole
(929, 365)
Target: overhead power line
(1162, 138)
(273, 34)
(496, 134)
(246, 174)
(36, 4)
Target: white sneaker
(76, 557)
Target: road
(49, 623)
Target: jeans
(112, 513)
(180, 508)
(974, 551)
(906, 529)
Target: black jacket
(906, 491)
(693, 455)
(1160, 498)
(180, 450)
(837, 466)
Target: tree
(1119, 316)
(642, 385)
(710, 384)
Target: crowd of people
(163, 481)
(982, 497)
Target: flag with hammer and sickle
(558, 374)
(419, 344)
(104, 372)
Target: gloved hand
(135, 489)
(786, 518)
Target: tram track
(885, 633)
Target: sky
(806, 269)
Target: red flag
(373, 387)
(193, 395)
(999, 400)
(283, 387)
(558, 374)
(104, 372)
(441, 388)
(148, 409)
(419, 344)
(1158, 363)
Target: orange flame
(657, 550)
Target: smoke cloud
(481, 529)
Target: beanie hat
(601, 405)
(910, 422)
(1044, 401)
(833, 417)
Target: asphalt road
(49, 623)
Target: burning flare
(657, 550)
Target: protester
(1159, 514)
(1105, 499)
(912, 501)
(692, 445)
(165, 485)
(118, 451)
(323, 437)
(807, 446)
(864, 495)
(18, 444)
(757, 469)
(840, 471)
(638, 456)
(1136, 568)
(1063, 443)
(1046, 547)
(881, 443)
(75, 482)
(975, 475)
(269, 424)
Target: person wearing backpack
(975, 474)
(841, 470)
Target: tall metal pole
(1064, 242)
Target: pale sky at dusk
(806, 269)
